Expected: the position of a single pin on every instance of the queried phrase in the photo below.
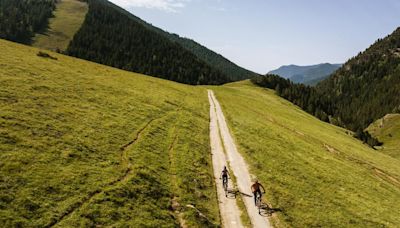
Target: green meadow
(316, 174)
(387, 130)
(88, 145)
(68, 18)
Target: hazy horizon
(264, 35)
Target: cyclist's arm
(262, 187)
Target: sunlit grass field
(317, 174)
(387, 130)
(68, 18)
(87, 145)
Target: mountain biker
(255, 188)
(224, 175)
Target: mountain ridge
(308, 74)
(367, 86)
(364, 89)
(151, 50)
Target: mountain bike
(225, 185)
(259, 201)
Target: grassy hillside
(387, 130)
(316, 173)
(87, 145)
(68, 18)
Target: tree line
(367, 87)
(113, 38)
(21, 19)
(364, 89)
(310, 100)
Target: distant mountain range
(309, 75)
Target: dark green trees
(310, 100)
(111, 37)
(21, 19)
(364, 89)
(367, 87)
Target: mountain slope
(387, 130)
(366, 87)
(20, 20)
(216, 60)
(212, 58)
(67, 20)
(130, 43)
(309, 75)
(109, 37)
(88, 145)
(315, 174)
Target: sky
(262, 35)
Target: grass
(387, 130)
(315, 173)
(87, 145)
(68, 18)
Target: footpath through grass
(387, 130)
(315, 173)
(87, 145)
(68, 18)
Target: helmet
(254, 178)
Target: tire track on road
(238, 164)
(229, 211)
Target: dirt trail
(229, 211)
(237, 163)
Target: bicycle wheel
(225, 185)
(258, 200)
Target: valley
(97, 145)
(107, 120)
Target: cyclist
(255, 188)
(224, 175)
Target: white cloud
(165, 5)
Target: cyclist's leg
(259, 194)
(255, 198)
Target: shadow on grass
(267, 211)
